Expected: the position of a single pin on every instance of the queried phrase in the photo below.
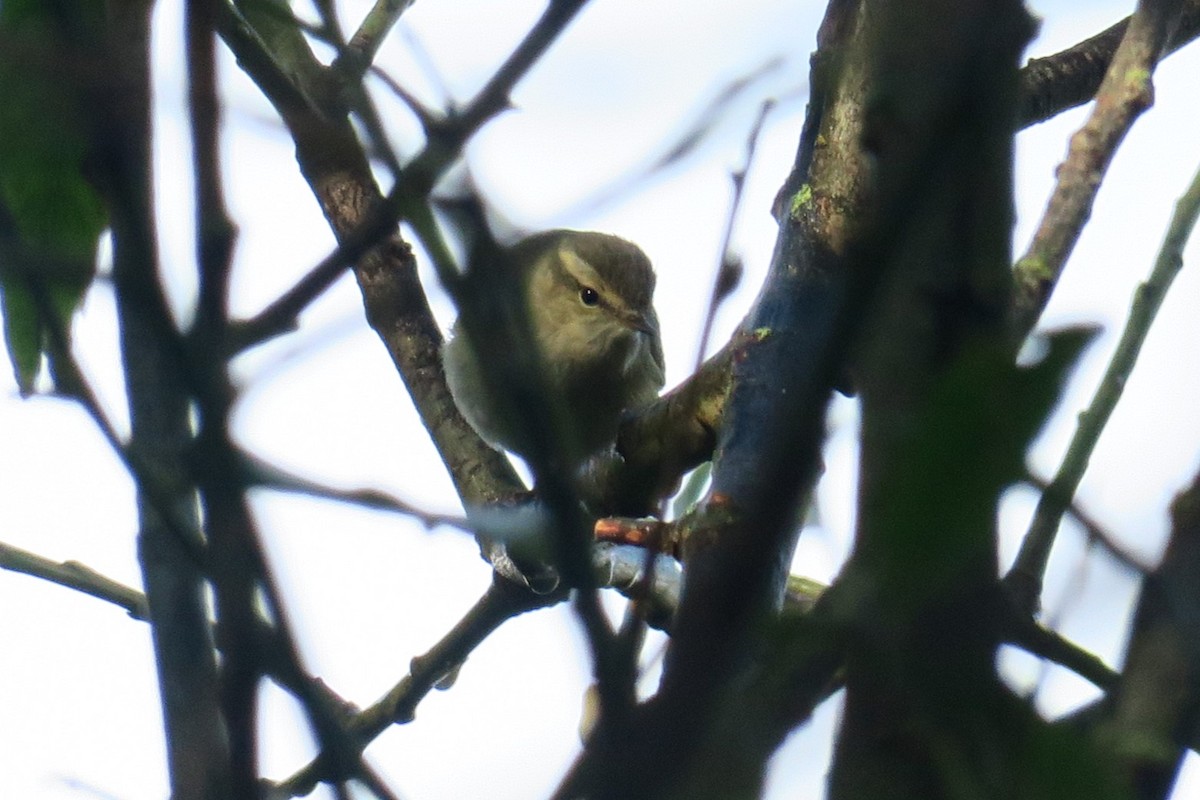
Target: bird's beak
(644, 322)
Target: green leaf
(51, 217)
(968, 443)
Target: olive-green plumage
(589, 298)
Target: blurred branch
(923, 715)
(234, 563)
(268, 476)
(729, 269)
(280, 36)
(1155, 710)
(425, 116)
(674, 434)
(1070, 78)
(157, 385)
(397, 309)
(72, 383)
(353, 61)
(779, 375)
(1125, 93)
(1024, 632)
(256, 60)
(1025, 577)
(75, 575)
(1096, 533)
(678, 146)
(415, 181)
(502, 601)
(653, 582)
(239, 572)
(493, 315)
(800, 666)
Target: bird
(589, 301)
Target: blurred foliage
(969, 444)
(51, 217)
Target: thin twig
(268, 476)
(427, 118)
(74, 384)
(502, 601)
(729, 270)
(415, 180)
(1126, 92)
(1052, 646)
(680, 145)
(1027, 572)
(75, 575)
(354, 60)
(1096, 533)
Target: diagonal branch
(501, 602)
(354, 60)
(415, 181)
(1153, 715)
(1126, 92)
(1070, 78)
(75, 575)
(1025, 577)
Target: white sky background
(368, 591)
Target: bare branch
(1155, 711)
(157, 385)
(268, 476)
(356, 58)
(1025, 577)
(1070, 78)
(502, 601)
(671, 436)
(75, 575)
(1126, 92)
(1027, 634)
(729, 270)
(1097, 534)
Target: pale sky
(368, 591)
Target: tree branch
(1070, 78)
(783, 366)
(1153, 715)
(729, 268)
(157, 387)
(663, 441)
(1025, 577)
(680, 428)
(1125, 93)
(75, 575)
(1026, 633)
(502, 601)
(414, 182)
(356, 58)
(397, 309)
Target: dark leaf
(51, 218)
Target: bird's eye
(589, 296)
